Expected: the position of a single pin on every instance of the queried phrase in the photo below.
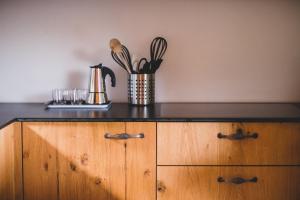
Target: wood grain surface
(198, 144)
(141, 162)
(73, 161)
(11, 163)
(191, 183)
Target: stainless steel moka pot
(97, 88)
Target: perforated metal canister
(141, 89)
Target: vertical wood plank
(90, 166)
(39, 161)
(141, 162)
(11, 162)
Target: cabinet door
(141, 162)
(73, 161)
(225, 183)
(11, 163)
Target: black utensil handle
(147, 68)
(237, 180)
(239, 135)
(141, 68)
(157, 64)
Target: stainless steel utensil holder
(141, 89)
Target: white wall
(218, 50)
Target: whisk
(157, 50)
(121, 55)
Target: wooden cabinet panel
(90, 166)
(198, 144)
(73, 161)
(190, 183)
(39, 161)
(141, 162)
(11, 163)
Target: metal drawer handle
(237, 180)
(123, 136)
(239, 135)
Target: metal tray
(51, 105)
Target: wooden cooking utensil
(121, 55)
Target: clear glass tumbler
(67, 96)
(57, 96)
(82, 96)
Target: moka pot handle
(105, 71)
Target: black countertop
(163, 112)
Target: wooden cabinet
(11, 163)
(225, 183)
(224, 161)
(223, 143)
(118, 161)
(75, 161)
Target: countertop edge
(157, 119)
(8, 123)
(160, 112)
(216, 120)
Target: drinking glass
(57, 96)
(67, 96)
(82, 96)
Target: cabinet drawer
(228, 143)
(207, 183)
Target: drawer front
(221, 183)
(228, 143)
